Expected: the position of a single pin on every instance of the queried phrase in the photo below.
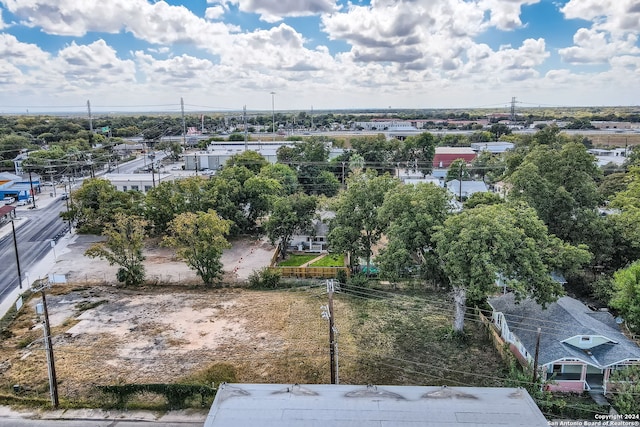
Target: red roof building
(444, 156)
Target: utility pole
(311, 117)
(90, 118)
(273, 114)
(460, 183)
(327, 313)
(50, 171)
(67, 200)
(53, 381)
(15, 246)
(153, 176)
(33, 194)
(184, 126)
(535, 359)
(244, 120)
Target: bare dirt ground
(160, 334)
(174, 328)
(161, 264)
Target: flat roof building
(316, 405)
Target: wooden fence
(494, 335)
(311, 272)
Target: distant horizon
(361, 111)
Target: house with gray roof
(465, 189)
(315, 405)
(579, 347)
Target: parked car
(65, 196)
(22, 202)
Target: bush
(341, 276)
(602, 289)
(265, 278)
(358, 280)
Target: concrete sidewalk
(182, 417)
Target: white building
(142, 182)
(616, 156)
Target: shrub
(265, 278)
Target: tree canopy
(200, 239)
(357, 225)
(123, 247)
(508, 241)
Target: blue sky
(139, 55)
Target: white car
(22, 202)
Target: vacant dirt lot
(168, 331)
(161, 265)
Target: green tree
(123, 247)
(96, 203)
(479, 199)
(286, 176)
(560, 184)
(379, 152)
(499, 129)
(200, 239)
(612, 184)
(290, 214)
(458, 170)
(251, 160)
(477, 245)
(413, 214)
(418, 151)
(626, 384)
(626, 297)
(357, 225)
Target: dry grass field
(107, 335)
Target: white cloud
(505, 14)
(158, 23)
(593, 46)
(274, 11)
(215, 12)
(616, 16)
(93, 64)
(21, 54)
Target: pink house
(579, 347)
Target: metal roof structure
(315, 405)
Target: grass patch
(332, 260)
(296, 260)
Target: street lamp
(273, 115)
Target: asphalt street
(35, 230)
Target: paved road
(138, 163)
(34, 234)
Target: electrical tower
(513, 109)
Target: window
(147, 188)
(124, 188)
(557, 369)
(134, 187)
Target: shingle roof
(561, 320)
